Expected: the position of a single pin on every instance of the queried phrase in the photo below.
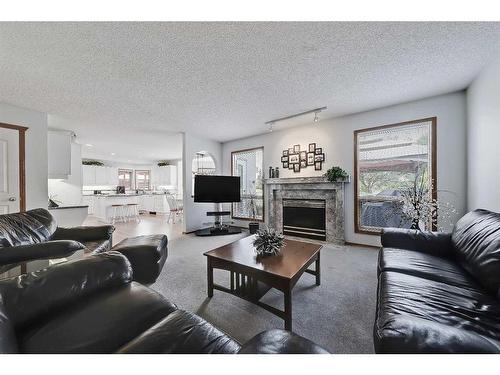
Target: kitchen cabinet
(59, 154)
(100, 176)
(88, 175)
(165, 176)
(153, 203)
(112, 176)
(89, 201)
(95, 175)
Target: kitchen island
(100, 205)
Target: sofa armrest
(84, 233)
(435, 243)
(277, 341)
(44, 250)
(39, 293)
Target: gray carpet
(338, 315)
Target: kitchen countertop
(121, 195)
(66, 207)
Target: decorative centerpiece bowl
(268, 242)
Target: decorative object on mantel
(334, 174)
(92, 162)
(295, 159)
(271, 172)
(276, 172)
(163, 163)
(268, 242)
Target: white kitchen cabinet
(59, 154)
(112, 176)
(153, 203)
(89, 201)
(166, 175)
(95, 175)
(88, 173)
(101, 176)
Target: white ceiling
(127, 83)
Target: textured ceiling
(224, 80)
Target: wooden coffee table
(251, 278)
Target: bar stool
(118, 213)
(133, 212)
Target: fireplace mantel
(308, 188)
(322, 181)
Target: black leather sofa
(34, 234)
(439, 292)
(93, 306)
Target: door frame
(22, 162)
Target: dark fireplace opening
(305, 218)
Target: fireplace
(305, 218)
(313, 205)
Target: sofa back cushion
(476, 240)
(8, 341)
(26, 228)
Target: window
(142, 179)
(249, 165)
(203, 163)
(125, 178)
(387, 159)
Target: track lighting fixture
(316, 118)
(316, 111)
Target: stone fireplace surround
(308, 188)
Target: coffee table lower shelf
(252, 286)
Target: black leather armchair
(92, 305)
(34, 235)
(439, 293)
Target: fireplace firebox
(305, 218)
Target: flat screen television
(216, 189)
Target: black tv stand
(217, 231)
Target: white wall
(195, 213)
(336, 138)
(483, 135)
(36, 151)
(69, 191)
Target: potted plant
(253, 226)
(92, 162)
(268, 242)
(417, 208)
(335, 174)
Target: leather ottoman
(146, 254)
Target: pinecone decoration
(268, 242)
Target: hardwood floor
(149, 224)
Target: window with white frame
(142, 179)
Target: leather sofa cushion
(423, 265)
(101, 323)
(8, 341)
(24, 228)
(147, 255)
(38, 295)
(182, 332)
(476, 239)
(418, 315)
(277, 341)
(97, 247)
